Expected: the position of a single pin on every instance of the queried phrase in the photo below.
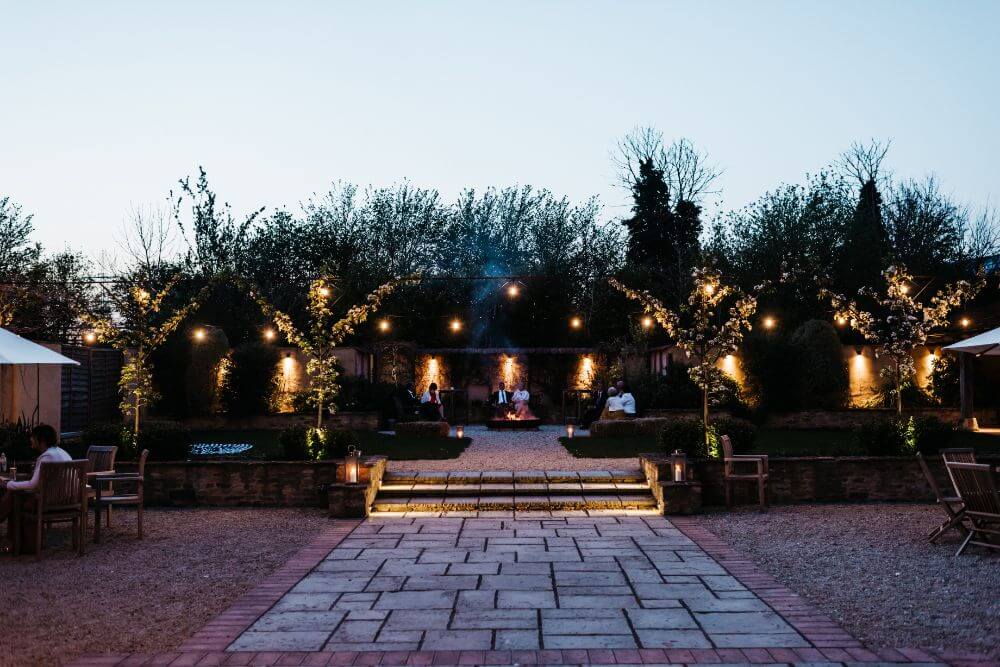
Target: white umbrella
(987, 343)
(17, 351)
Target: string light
(904, 289)
(383, 325)
(841, 320)
(647, 322)
(769, 322)
(324, 291)
(513, 290)
(456, 325)
(90, 338)
(143, 295)
(709, 289)
(575, 322)
(965, 322)
(199, 334)
(269, 334)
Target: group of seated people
(617, 402)
(429, 406)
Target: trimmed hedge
(613, 428)
(165, 440)
(688, 435)
(317, 444)
(439, 429)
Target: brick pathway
(530, 588)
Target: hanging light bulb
(199, 334)
(456, 325)
(647, 322)
(575, 322)
(269, 334)
(513, 290)
(383, 325)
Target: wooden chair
(977, 487)
(730, 474)
(952, 505)
(101, 459)
(957, 455)
(60, 497)
(134, 498)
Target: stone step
(507, 476)
(424, 503)
(394, 488)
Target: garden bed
(267, 447)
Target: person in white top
(43, 440)
(628, 401)
(613, 407)
(521, 397)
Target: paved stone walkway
(559, 588)
(515, 450)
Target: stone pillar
(965, 385)
(348, 501)
(681, 497)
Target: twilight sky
(104, 105)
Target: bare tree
(982, 236)
(687, 172)
(149, 239)
(863, 161)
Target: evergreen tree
(864, 252)
(663, 240)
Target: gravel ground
(871, 569)
(516, 450)
(126, 595)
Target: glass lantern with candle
(570, 430)
(352, 463)
(459, 432)
(678, 466)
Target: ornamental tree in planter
(899, 323)
(325, 333)
(703, 328)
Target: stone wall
(263, 483)
(818, 479)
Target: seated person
(628, 401)
(44, 441)
(613, 407)
(521, 398)
(502, 402)
(431, 408)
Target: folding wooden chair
(952, 505)
(977, 487)
(731, 475)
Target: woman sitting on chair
(521, 398)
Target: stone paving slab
(521, 582)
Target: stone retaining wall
(258, 483)
(818, 479)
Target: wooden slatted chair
(730, 461)
(60, 497)
(134, 498)
(957, 455)
(101, 460)
(977, 487)
(952, 505)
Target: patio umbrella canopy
(987, 343)
(15, 350)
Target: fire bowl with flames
(513, 423)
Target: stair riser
(503, 505)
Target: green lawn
(267, 448)
(774, 442)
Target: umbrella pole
(966, 392)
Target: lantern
(570, 430)
(459, 432)
(351, 464)
(678, 466)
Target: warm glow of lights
(324, 291)
(709, 289)
(513, 290)
(931, 357)
(199, 334)
(90, 338)
(904, 289)
(575, 322)
(143, 295)
(585, 372)
(570, 430)
(647, 322)
(508, 372)
(965, 322)
(459, 432)
(841, 320)
(383, 325)
(769, 322)
(269, 334)
(456, 325)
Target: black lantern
(352, 463)
(678, 466)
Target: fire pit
(513, 424)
